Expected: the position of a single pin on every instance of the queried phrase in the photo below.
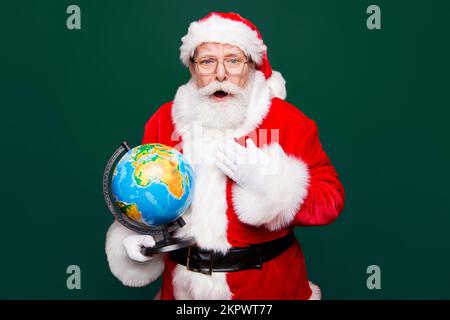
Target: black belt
(251, 257)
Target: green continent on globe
(156, 163)
(130, 210)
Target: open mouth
(220, 94)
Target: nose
(221, 75)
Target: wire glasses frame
(208, 65)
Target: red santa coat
(305, 192)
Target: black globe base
(168, 245)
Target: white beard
(221, 115)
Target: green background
(380, 98)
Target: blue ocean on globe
(153, 184)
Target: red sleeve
(151, 129)
(159, 128)
(325, 197)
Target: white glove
(249, 167)
(133, 245)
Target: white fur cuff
(129, 272)
(316, 292)
(284, 192)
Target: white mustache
(216, 86)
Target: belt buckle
(188, 259)
(260, 263)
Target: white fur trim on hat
(277, 85)
(222, 30)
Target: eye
(233, 60)
(206, 62)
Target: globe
(153, 184)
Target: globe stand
(168, 244)
(162, 234)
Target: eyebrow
(209, 54)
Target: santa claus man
(260, 171)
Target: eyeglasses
(208, 65)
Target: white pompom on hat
(232, 29)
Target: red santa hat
(233, 29)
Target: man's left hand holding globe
(152, 185)
(135, 243)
